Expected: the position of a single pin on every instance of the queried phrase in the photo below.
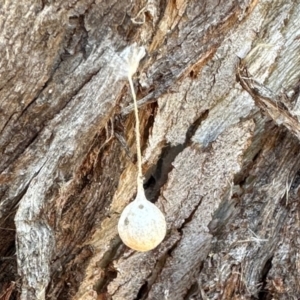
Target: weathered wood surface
(219, 109)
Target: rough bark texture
(220, 111)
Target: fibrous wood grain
(219, 107)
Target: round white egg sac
(142, 225)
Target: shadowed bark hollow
(219, 102)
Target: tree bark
(219, 108)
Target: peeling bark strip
(225, 175)
(271, 104)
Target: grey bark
(219, 106)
